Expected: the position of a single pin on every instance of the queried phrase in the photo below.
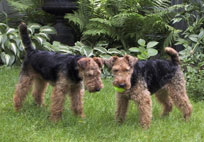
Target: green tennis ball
(120, 90)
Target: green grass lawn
(32, 123)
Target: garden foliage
(31, 10)
(124, 22)
(192, 39)
(11, 48)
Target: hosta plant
(11, 48)
(100, 50)
(10, 44)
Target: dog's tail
(25, 37)
(173, 54)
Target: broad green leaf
(13, 47)
(3, 25)
(11, 60)
(48, 47)
(33, 27)
(12, 36)
(78, 43)
(102, 44)
(34, 45)
(193, 37)
(77, 48)
(44, 35)
(142, 49)
(114, 51)
(3, 28)
(87, 51)
(39, 39)
(2, 56)
(152, 44)
(3, 39)
(141, 42)
(143, 57)
(201, 64)
(134, 49)
(0, 39)
(64, 49)
(56, 43)
(57, 46)
(201, 34)
(105, 56)
(123, 52)
(176, 20)
(48, 30)
(21, 47)
(152, 52)
(10, 30)
(5, 58)
(100, 49)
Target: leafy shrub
(193, 65)
(144, 50)
(81, 49)
(192, 39)
(123, 21)
(31, 11)
(11, 48)
(10, 45)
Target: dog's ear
(110, 62)
(131, 60)
(82, 63)
(99, 61)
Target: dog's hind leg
(39, 88)
(166, 101)
(22, 88)
(177, 91)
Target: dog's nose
(97, 89)
(122, 85)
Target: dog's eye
(115, 70)
(89, 75)
(98, 73)
(126, 70)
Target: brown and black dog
(66, 72)
(140, 79)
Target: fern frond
(172, 36)
(98, 26)
(161, 3)
(77, 19)
(82, 15)
(96, 32)
(101, 21)
(19, 5)
(167, 11)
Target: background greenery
(31, 10)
